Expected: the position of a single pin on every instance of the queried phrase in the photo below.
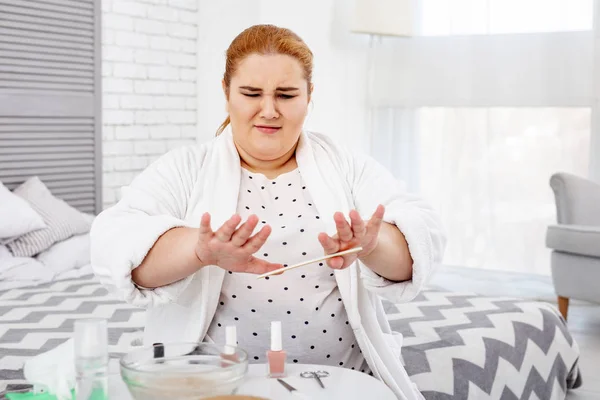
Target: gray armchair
(575, 240)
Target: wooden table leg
(563, 306)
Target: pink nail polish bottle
(276, 356)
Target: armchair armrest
(577, 199)
(577, 239)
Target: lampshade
(384, 17)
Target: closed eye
(281, 95)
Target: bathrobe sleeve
(153, 203)
(372, 184)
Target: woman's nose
(268, 108)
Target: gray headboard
(50, 97)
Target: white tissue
(53, 370)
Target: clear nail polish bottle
(91, 359)
(228, 356)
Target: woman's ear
(310, 103)
(226, 93)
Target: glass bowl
(182, 371)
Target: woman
(277, 195)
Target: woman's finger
(336, 262)
(329, 244)
(242, 234)
(260, 266)
(205, 231)
(226, 230)
(374, 223)
(258, 240)
(343, 228)
(358, 225)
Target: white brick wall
(149, 84)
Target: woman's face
(267, 103)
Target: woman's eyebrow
(286, 89)
(279, 89)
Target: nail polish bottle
(276, 356)
(228, 354)
(91, 359)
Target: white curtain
(480, 108)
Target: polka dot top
(306, 300)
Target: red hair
(265, 39)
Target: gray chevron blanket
(456, 345)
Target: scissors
(316, 375)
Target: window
(487, 171)
(477, 121)
(476, 17)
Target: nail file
(326, 257)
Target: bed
(456, 345)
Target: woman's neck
(271, 168)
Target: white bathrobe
(176, 189)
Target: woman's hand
(232, 248)
(357, 233)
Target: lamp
(379, 18)
(384, 17)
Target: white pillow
(67, 254)
(22, 269)
(62, 220)
(17, 217)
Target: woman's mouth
(267, 129)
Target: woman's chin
(267, 157)
(267, 149)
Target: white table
(341, 383)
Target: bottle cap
(91, 338)
(230, 339)
(276, 336)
